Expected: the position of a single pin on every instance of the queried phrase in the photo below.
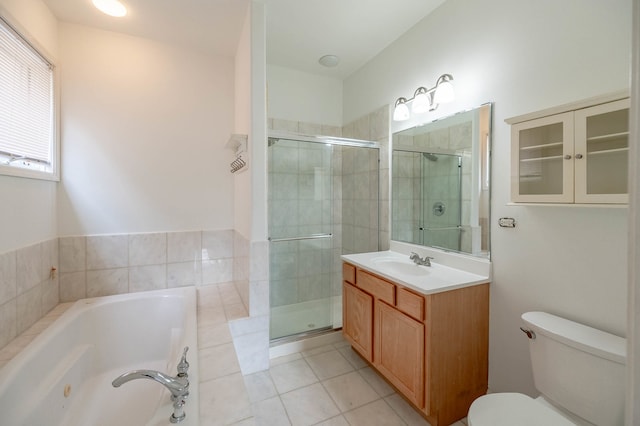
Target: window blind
(26, 99)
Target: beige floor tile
(229, 294)
(376, 382)
(350, 391)
(209, 297)
(218, 361)
(341, 343)
(260, 386)
(309, 405)
(213, 335)
(335, 421)
(270, 412)
(235, 311)
(284, 359)
(318, 350)
(375, 413)
(224, 401)
(329, 364)
(406, 411)
(353, 357)
(246, 422)
(211, 316)
(292, 375)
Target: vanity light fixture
(110, 7)
(424, 99)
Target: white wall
(242, 120)
(144, 128)
(523, 56)
(299, 96)
(28, 206)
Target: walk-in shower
(323, 202)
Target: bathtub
(63, 377)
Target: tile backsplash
(28, 287)
(34, 279)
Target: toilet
(578, 370)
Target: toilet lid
(513, 409)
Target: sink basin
(399, 267)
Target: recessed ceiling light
(110, 7)
(329, 61)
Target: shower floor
(303, 317)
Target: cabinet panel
(602, 151)
(399, 351)
(541, 159)
(357, 314)
(378, 287)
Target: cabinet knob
(578, 156)
(567, 157)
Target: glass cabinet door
(542, 159)
(602, 153)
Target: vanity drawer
(410, 303)
(377, 287)
(349, 273)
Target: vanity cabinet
(577, 156)
(433, 348)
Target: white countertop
(397, 267)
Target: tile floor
(328, 385)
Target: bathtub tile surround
(103, 265)
(29, 287)
(223, 397)
(18, 344)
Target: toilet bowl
(514, 409)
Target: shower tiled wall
(28, 287)
(375, 127)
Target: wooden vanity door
(399, 351)
(357, 325)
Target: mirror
(440, 183)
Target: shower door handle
(308, 237)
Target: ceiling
(299, 32)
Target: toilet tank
(578, 368)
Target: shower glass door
(442, 200)
(301, 237)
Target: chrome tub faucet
(420, 261)
(178, 386)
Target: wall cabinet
(576, 156)
(433, 348)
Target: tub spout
(178, 386)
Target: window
(28, 142)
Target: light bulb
(110, 7)
(444, 93)
(421, 101)
(401, 111)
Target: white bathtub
(64, 376)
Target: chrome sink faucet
(178, 386)
(420, 261)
